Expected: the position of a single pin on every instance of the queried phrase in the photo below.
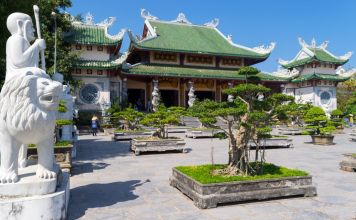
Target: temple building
(99, 64)
(182, 61)
(314, 74)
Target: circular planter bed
(207, 191)
(349, 163)
(155, 144)
(322, 139)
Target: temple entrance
(136, 99)
(202, 95)
(169, 97)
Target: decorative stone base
(272, 143)
(124, 136)
(349, 163)
(29, 184)
(51, 206)
(139, 146)
(289, 131)
(210, 195)
(62, 154)
(322, 140)
(204, 133)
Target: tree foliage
(130, 118)
(248, 118)
(318, 122)
(163, 117)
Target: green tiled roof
(85, 34)
(190, 72)
(188, 38)
(319, 76)
(319, 55)
(96, 64)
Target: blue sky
(251, 23)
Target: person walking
(94, 125)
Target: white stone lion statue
(28, 105)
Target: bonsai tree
(163, 117)
(293, 113)
(318, 123)
(130, 117)
(336, 118)
(248, 118)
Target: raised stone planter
(322, 140)
(349, 163)
(62, 154)
(277, 142)
(142, 145)
(177, 129)
(129, 135)
(200, 133)
(290, 131)
(210, 195)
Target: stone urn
(322, 139)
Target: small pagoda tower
(314, 74)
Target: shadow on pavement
(97, 149)
(80, 168)
(101, 195)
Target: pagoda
(178, 58)
(314, 74)
(99, 63)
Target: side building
(178, 57)
(314, 74)
(99, 65)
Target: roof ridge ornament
(107, 22)
(302, 42)
(324, 45)
(89, 19)
(283, 62)
(213, 23)
(121, 59)
(181, 18)
(313, 43)
(346, 56)
(345, 73)
(286, 73)
(265, 50)
(146, 15)
(229, 38)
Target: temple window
(89, 71)
(231, 62)
(167, 57)
(100, 48)
(100, 72)
(200, 59)
(78, 47)
(89, 48)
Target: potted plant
(160, 119)
(320, 127)
(128, 122)
(248, 117)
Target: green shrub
(317, 122)
(61, 122)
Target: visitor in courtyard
(94, 125)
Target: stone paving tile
(110, 182)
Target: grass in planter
(58, 144)
(353, 155)
(203, 173)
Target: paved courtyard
(110, 182)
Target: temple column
(191, 95)
(230, 98)
(148, 95)
(155, 95)
(217, 91)
(181, 93)
(124, 92)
